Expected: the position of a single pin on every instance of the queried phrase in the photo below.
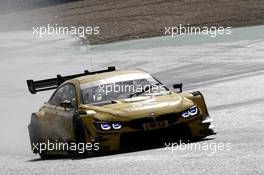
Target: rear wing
(54, 83)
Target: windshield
(121, 87)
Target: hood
(142, 106)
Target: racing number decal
(155, 125)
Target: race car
(103, 110)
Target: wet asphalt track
(229, 72)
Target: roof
(106, 75)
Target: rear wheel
(36, 136)
(44, 155)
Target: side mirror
(88, 113)
(66, 104)
(178, 86)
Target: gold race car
(107, 109)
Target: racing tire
(36, 135)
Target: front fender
(198, 99)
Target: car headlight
(190, 112)
(193, 111)
(185, 114)
(116, 126)
(105, 126)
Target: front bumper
(136, 136)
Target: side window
(66, 92)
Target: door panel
(59, 120)
(64, 117)
(50, 122)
